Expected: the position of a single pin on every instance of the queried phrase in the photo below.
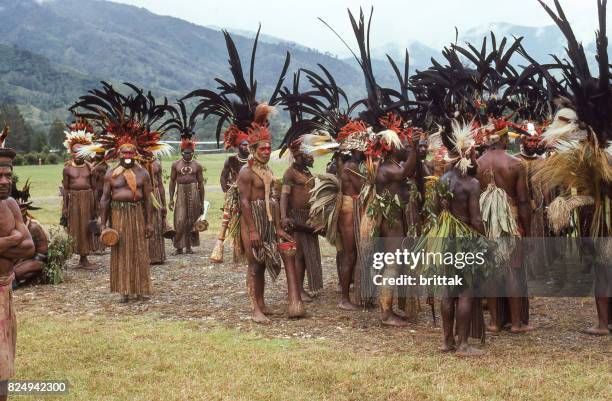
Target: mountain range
(54, 50)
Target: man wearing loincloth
(462, 314)
(15, 244)
(298, 181)
(187, 179)
(233, 139)
(497, 170)
(264, 241)
(79, 206)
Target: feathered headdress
(247, 116)
(134, 120)
(184, 124)
(6, 154)
(322, 110)
(79, 133)
(387, 110)
(461, 142)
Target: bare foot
(522, 329)
(493, 329)
(124, 299)
(447, 347)
(347, 305)
(296, 309)
(596, 331)
(142, 298)
(267, 311)
(468, 350)
(394, 321)
(178, 252)
(86, 265)
(189, 251)
(259, 318)
(305, 297)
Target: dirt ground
(190, 287)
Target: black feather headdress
(236, 102)
(134, 119)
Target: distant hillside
(41, 89)
(120, 42)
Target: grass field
(193, 340)
(147, 359)
(47, 179)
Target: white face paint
(128, 161)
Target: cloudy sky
(401, 21)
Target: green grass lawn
(132, 358)
(47, 179)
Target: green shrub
(52, 158)
(60, 250)
(18, 160)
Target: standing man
(15, 243)
(234, 163)
(264, 241)
(298, 181)
(126, 205)
(79, 206)
(462, 315)
(499, 170)
(157, 249)
(237, 139)
(188, 175)
(397, 164)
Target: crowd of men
(428, 160)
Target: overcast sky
(401, 21)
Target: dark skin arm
(245, 180)
(225, 176)
(200, 178)
(162, 192)
(474, 207)
(524, 205)
(280, 233)
(409, 167)
(286, 222)
(66, 186)
(25, 249)
(147, 194)
(106, 199)
(172, 186)
(92, 183)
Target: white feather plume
(564, 132)
(391, 139)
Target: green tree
(56, 135)
(39, 142)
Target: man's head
(6, 172)
(74, 151)
(530, 145)
(6, 180)
(127, 155)
(304, 159)
(261, 151)
(243, 149)
(422, 148)
(187, 154)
